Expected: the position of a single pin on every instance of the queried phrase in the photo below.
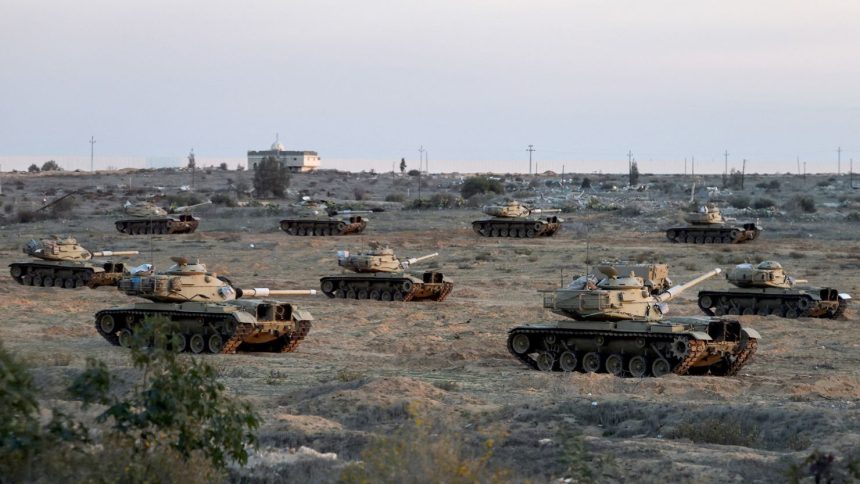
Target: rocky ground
(369, 368)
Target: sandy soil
(364, 362)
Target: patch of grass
(347, 375)
(720, 431)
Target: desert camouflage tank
(208, 312)
(708, 226)
(318, 218)
(766, 289)
(512, 220)
(378, 274)
(152, 219)
(64, 263)
(616, 326)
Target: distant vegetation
(271, 177)
(481, 184)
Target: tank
(514, 220)
(152, 219)
(208, 312)
(708, 226)
(765, 289)
(617, 326)
(318, 218)
(378, 274)
(62, 262)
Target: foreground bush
(480, 184)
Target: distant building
(296, 161)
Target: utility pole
(850, 172)
(427, 161)
(726, 169)
(743, 173)
(798, 165)
(193, 165)
(420, 158)
(838, 160)
(685, 167)
(530, 149)
(693, 168)
(92, 146)
(629, 160)
(804, 173)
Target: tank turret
(377, 260)
(63, 263)
(207, 312)
(707, 215)
(186, 281)
(514, 209)
(615, 297)
(766, 274)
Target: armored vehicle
(318, 218)
(152, 219)
(708, 226)
(766, 289)
(63, 263)
(207, 312)
(617, 327)
(378, 274)
(512, 220)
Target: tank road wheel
(340, 293)
(398, 296)
(503, 232)
(709, 239)
(48, 281)
(196, 343)
(179, 342)
(37, 280)
(215, 343)
(521, 344)
(59, 281)
(406, 286)
(361, 294)
(748, 311)
(705, 302)
(660, 367)
(69, 283)
(351, 294)
(386, 296)
(615, 364)
(762, 310)
(545, 361)
(792, 313)
(107, 324)
(803, 304)
(592, 362)
(568, 361)
(327, 287)
(700, 239)
(638, 366)
(530, 232)
(125, 338)
(735, 234)
(375, 295)
(733, 311)
(671, 235)
(16, 271)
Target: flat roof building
(296, 161)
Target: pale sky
(474, 82)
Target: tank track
(48, 275)
(306, 227)
(185, 224)
(285, 344)
(713, 235)
(516, 228)
(697, 349)
(385, 292)
(792, 306)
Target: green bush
(480, 184)
(395, 197)
(761, 203)
(739, 201)
(271, 176)
(802, 203)
(437, 201)
(224, 199)
(51, 165)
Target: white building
(296, 161)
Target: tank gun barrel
(675, 290)
(414, 260)
(800, 281)
(109, 253)
(266, 292)
(347, 212)
(186, 208)
(546, 210)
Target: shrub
(223, 166)
(761, 203)
(395, 197)
(739, 201)
(224, 199)
(359, 193)
(631, 211)
(271, 176)
(413, 173)
(720, 431)
(51, 165)
(480, 184)
(802, 203)
(437, 201)
(586, 183)
(33, 168)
